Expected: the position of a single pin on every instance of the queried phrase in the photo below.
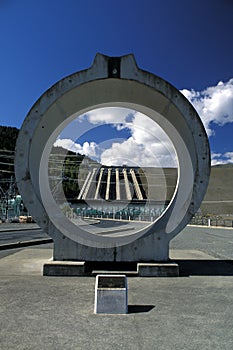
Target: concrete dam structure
(128, 184)
(113, 183)
(96, 190)
(125, 192)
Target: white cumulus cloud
(108, 115)
(88, 149)
(214, 104)
(148, 145)
(219, 158)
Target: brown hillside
(219, 195)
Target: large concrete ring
(112, 82)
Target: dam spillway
(113, 183)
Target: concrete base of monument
(111, 294)
(154, 247)
(169, 269)
(64, 268)
(137, 269)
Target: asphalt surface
(21, 235)
(217, 242)
(194, 311)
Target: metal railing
(212, 221)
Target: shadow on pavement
(205, 267)
(135, 309)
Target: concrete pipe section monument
(111, 82)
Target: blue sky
(188, 43)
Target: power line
(6, 150)
(11, 164)
(7, 171)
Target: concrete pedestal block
(111, 294)
(79, 268)
(64, 268)
(154, 247)
(158, 270)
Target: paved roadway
(217, 242)
(21, 235)
(14, 233)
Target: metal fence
(212, 221)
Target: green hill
(8, 137)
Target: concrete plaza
(193, 311)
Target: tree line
(8, 137)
